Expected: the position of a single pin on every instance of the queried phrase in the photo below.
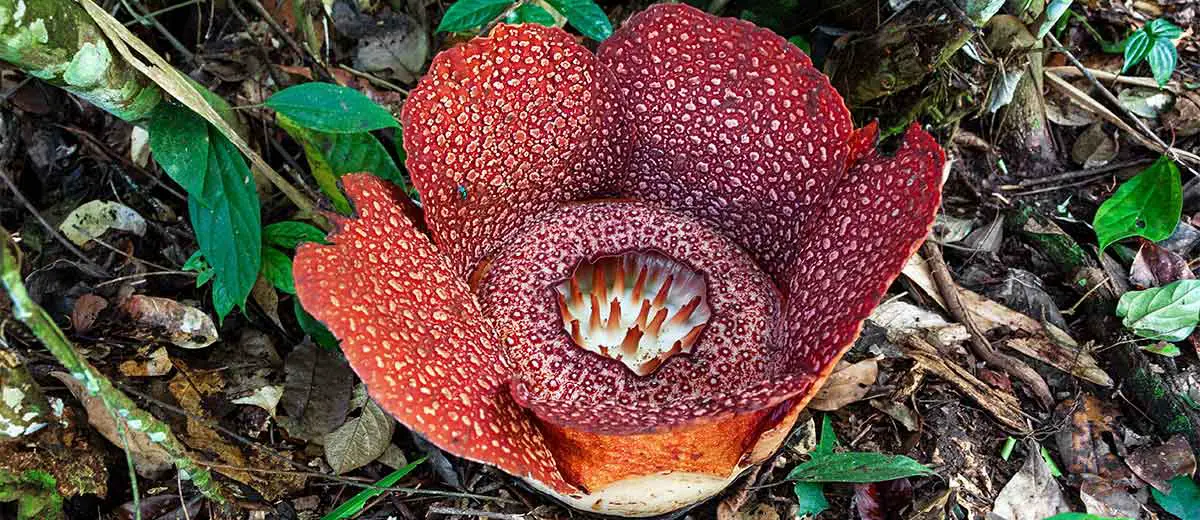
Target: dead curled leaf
(1032, 494)
(1155, 266)
(359, 441)
(846, 384)
(185, 326)
(1157, 465)
(149, 458)
(87, 308)
(318, 385)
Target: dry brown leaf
(1041, 341)
(1159, 464)
(1081, 442)
(1155, 266)
(848, 383)
(87, 308)
(158, 363)
(149, 458)
(183, 325)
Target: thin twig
(979, 343)
(53, 232)
(120, 279)
(442, 510)
(302, 50)
(1112, 100)
(1076, 174)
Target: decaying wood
(1040, 340)
(1004, 407)
(979, 343)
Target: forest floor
(1028, 396)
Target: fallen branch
(96, 384)
(979, 343)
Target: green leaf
(1137, 47)
(466, 15)
(810, 498)
(1163, 28)
(330, 108)
(532, 13)
(351, 507)
(289, 234)
(315, 329)
(1162, 58)
(1168, 313)
(1054, 10)
(227, 223)
(859, 467)
(802, 43)
(330, 156)
(585, 16)
(1184, 500)
(277, 269)
(828, 439)
(196, 263)
(1148, 205)
(1163, 348)
(179, 140)
(223, 299)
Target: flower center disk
(639, 308)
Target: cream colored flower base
(648, 495)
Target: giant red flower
(639, 264)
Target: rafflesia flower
(636, 266)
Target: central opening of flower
(638, 308)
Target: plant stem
(52, 337)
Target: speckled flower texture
(635, 266)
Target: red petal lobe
(413, 332)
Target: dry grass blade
(177, 85)
(1091, 105)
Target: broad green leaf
(1162, 58)
(1163, 28)
(1147, 205)
(1054, 10)
(179, 141)
(330, 108)
(532, 13)
(330, 156)
(466, 15)
(585, 16)
(289, 234)
(315, 329)
(1168, 313)
(227, 223)
(1137, 47)
(223, 299)
(1163, 348)
(1184, 500)
(857, 467)
(810, 497)
(351, 507)
(277, 269)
